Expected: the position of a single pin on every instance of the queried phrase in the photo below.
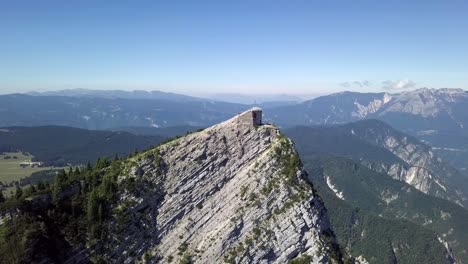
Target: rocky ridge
(362, 111)
(233, 193)
(419, 168)
(425, 102)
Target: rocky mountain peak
(235, 192)
(425, 101)
(441, 91)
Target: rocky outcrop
(362, 111)
(419, 167)
(232, 193)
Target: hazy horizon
(237, 96)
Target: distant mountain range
(413, 111)
(419, 111)
(437, 116)
(266, 100)
(114, 94)
(282, 99)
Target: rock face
(362, 111)
(419, 168)
(232, 193)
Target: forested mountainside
(103, 113)
(384, 149)
(61, 146)
(168, 132)
(362, 222)
(364, 172)
(387, 198)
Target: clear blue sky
(233, 46)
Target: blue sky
(270, 46)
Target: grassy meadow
(10, 169)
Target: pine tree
(41, 186)
(101, 163)
(61, 178)
(30, 190)
(2, 198)
(93, 213)
(19, 192)
(56, 190)
(100, 214)
(88, 166)
(92, 207)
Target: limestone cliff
(419, 167)
(233, 193)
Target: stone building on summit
(252, 117)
